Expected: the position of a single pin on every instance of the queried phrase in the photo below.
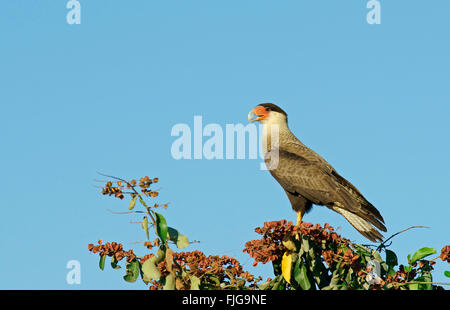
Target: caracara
(309, 179)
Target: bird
(308, 179)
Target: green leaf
(265, 286)
(418, 286)
(319, 272)
(172, 234)
(145, 226)
(426, 277)
(215, 279)
(391, 272)
(195, 282)
(101, 263)
(289, 243)
(348, 277)
(305, 246)
(362, 251)
(114, 262)
(447, 273)
(150, 270)
(384, 267)
(301, 276)
(132, 271)
(335, 277)
(160, 254)
(280, 284)
(169, 283)
(132, 203)
(161, 227)
(391, 258)
(423, 252)
(376, 256)
(276, 264)
(180, 240)
(183, 241)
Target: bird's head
(267, 113)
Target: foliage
(314, 257)
(304, 257)
(163, 268)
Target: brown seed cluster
(401, 276)
(112, 249)
(270, 246)
(212, 270)
(144, 184)
(110, 190)
(118, 188)
(332, 249)
(151, 244)
(445, 254)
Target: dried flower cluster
(348, 265)
(270, 247)
(110, 190)
(445, 254)
(214, 272)
(117, 188)
(151, 244)
(111, 249)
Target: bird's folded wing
(315, 181)
(296, 174)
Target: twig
(402, 231)
(418, 282)
(434, 258)
(111, 176)
(135, 192)
(124, 212)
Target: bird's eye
(267, 109)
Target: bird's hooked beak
(252, 116)
(257, 114)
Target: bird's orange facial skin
(261, 113)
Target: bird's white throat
(274, 130)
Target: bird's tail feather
(361, 225)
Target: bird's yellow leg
(299, 221)
(299, 218)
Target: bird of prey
(309, 179)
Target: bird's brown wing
(370, 212)
(313, 178)
(299, 175)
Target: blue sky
(104, 95)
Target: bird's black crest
(273, 107)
